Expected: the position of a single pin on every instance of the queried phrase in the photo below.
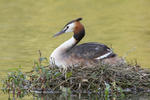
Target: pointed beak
(59, 33)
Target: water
(84, 96)
(28, 26)
(91, 97)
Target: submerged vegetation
(101, 79)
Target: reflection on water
(70, 97)
(91, 97)
(85, 96)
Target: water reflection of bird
(87, 54)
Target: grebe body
(87, 54)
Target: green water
(27, 26)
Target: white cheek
(71, 28)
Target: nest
(98, 78)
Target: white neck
(63, 48)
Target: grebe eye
(66, 28)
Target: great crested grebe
(87, 54)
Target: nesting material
(93, 79)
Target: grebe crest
(73, 26)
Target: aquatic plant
(15, 83)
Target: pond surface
(28, 26)
(85, 96)
(91, 97)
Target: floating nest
(101, 78)
(82, 79)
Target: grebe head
(73, 26)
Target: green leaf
(43, 58)
(57, 74)
(68, 74)
(107, 91)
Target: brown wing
(91, 51)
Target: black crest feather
(78, 19)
